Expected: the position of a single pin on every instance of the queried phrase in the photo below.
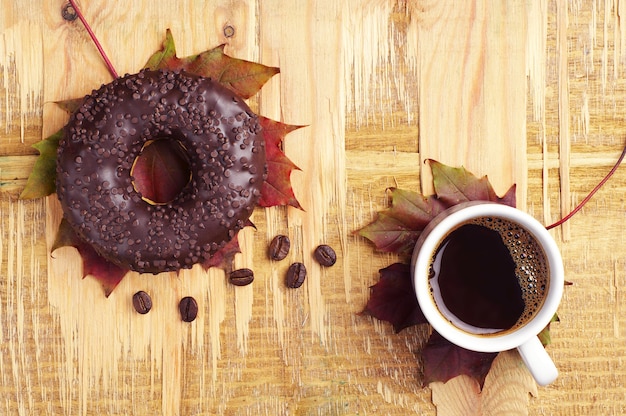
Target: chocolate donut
(221, 138)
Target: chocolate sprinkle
(105, 135)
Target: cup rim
(428, 242)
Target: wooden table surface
(527, 92)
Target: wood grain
(526, 92)
(469, 110)
(470, 115)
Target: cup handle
(538, 361)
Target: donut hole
(161, 171)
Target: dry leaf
(244, 78)
(108, 274)
(41, 181)
(444, 361)
(507, 393)
(161, 171)
(397, 229)
(392, 299)
(277, 188)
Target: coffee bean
(241, 277)
(295, 275)
(325, 255)
(279, 247)
(188, 308)
(142, 302)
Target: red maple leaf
(277, 188)
(107, 273)
(456, 185)
(244, 78)
(225, 255)
(396, 229)
(444, 361)
(161, 171)
(392, 298)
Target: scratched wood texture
(532, 93)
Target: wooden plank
(472, 112)
(564, 113)
(381, 86)
(156, 349)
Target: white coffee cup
(523, 337)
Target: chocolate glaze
(104, 137)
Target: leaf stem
(592, 193)
(95, 40)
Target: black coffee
(490, 274)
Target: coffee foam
(531, 270)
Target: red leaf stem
(592, 193)
(107, 61)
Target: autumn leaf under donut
(245, 79)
